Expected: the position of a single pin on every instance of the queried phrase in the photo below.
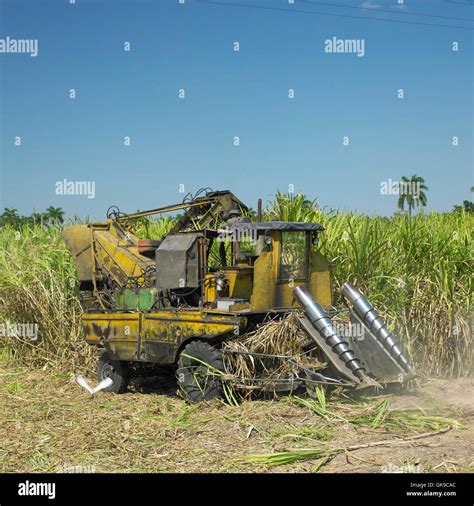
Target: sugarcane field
(271, 399)
(236, 252)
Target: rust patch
(102, 333)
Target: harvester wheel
(198, 371)
(117, 370)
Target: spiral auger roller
(365, 361)
(374, 323)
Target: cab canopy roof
(288, 226)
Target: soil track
(448, 452)
(49, 423)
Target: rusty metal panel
(118, 333)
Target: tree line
(47, 218)
(55, 215)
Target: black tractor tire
(197, 381)
(117, 370)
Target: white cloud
(369, 4)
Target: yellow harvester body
(147, 299)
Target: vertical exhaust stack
(259, 210)
(369, 316)
(323, 324)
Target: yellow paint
(239, 281)
(268, 292)
(77, 239)
(176, 326)
(114, 251)
(119, 330)
(119, 256)
(264, 282)
(123, 333)
(320, 279)
(210, 292)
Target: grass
(279, 336)
(373, 415)
(289, 457)
(377, 414)
(14, 387)
(52, 423)
(306, 433)
(38, 286)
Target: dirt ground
(48, 423)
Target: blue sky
(283, 141)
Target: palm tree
(412, 198)
(54, 214)
(9, 216)
(38, 218)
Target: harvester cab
(268, 259)
(217, 276)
